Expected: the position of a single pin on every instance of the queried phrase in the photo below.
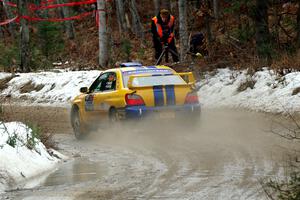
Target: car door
(98, 102)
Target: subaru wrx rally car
(133, 92)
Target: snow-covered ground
(52, 88)
(270, 92)
(24, 159)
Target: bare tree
(24, 42)
(207, 22)
(137, 26)
(9, 15)
(288, 187)
(1, 33)
(68, 25)
(157, 6)
(197, 3)
(262, 29)
(298, 27)
(216, 8)
(103, 37)
(166, 4)
(183, 31)
(121, 15)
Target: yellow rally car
(134, 91)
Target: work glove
(199, 55)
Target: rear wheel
(77, 125)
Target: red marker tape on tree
(58, 19)
(62, 5)
(8, 21)
(9, 4)
(47, 2)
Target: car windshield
(157, 77)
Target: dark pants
(171, 49)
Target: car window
(158, 80)
(105, 82)
(153, 72)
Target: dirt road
(223, 157)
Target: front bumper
(136, 112)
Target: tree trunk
(197, 3)
(121, 15)
(183, 31)
(1, 33)
(103, 37)
(68, 25)
(298, 28)
(9, 15)
(109, 21)
(262, 29)
(207, 18)
(24, 41)
(157, 6)
(276, 26)
(166, 4)
(216, 8)
(137, 26)
(208, 28)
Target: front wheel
(77, 125)
(115, 118)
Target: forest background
(238, 33)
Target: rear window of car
(155, 78)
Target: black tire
(78, 127)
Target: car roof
(150, 68)
(126, 69)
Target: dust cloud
(214, 133)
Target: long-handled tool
(165, 51)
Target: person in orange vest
(162, 29)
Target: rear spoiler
(186, 76)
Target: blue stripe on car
(170, 93)
(158, 95)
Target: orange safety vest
(160, 30)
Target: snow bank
(48, 87)
(270, 93)
(4, 75)
(20, 161)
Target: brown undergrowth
(39, 131)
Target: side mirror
(84, 90)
